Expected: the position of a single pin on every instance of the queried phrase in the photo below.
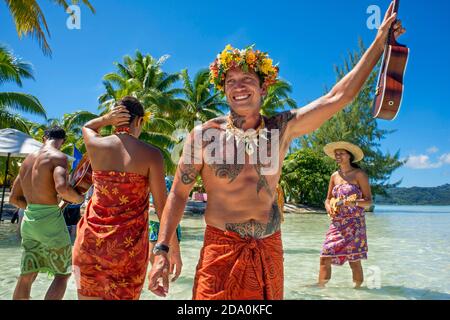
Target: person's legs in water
(15, 217)
(325, 271)
(57, 288)
(357, 271)
(23, 287)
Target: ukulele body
(81, 179)
(389, 90)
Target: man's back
(36, 174)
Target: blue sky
(306, 37)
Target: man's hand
(175, 259)
(389, 18)
(160, 270)
(118, 116)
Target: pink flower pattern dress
(346, 239)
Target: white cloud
(445, 158)
(432, 149)
(422, 162)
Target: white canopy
(17, 143)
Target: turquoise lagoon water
(409, 257)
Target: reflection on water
(408, 258)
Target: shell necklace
(249, 138)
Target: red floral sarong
(234, 268)
(110, 254)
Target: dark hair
(133, 106)
(261, 78)
(352, 158)
(55, 133)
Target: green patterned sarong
(45, 241)
(154, 231)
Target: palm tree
(278, 98)
(13, 69)
(200, 104)
(29, 19)
(143, 78)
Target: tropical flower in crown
(247, 59)
(251, 58)
(266, 66)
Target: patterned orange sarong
(110, 254)
(234, 268)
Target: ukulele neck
(391, 38)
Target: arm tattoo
(188, 173)
(256, 229)
(280, 121)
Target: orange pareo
(235, 268)
(111, 252)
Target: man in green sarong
(45, 239)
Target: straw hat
(350, 147)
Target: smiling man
(242, 255)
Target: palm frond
(21, 102)
(11, 120)
(78, 118)
(12, 68)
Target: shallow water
(409, 257)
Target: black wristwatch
(160, 248)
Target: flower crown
(247, 59)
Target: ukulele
(80, 180)
(389, 92)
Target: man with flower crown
(111, 252)
(238, 158)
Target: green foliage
(278, 98)
(199, 102)
(13, 170)
(305, 177)
(417, 196)
(13, 69)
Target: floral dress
(346, 239)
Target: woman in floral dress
(348, 195)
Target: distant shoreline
(425, 196)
